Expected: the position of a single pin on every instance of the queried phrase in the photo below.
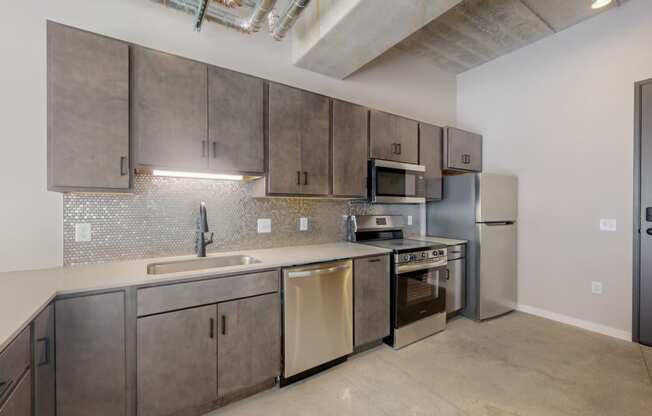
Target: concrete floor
(515, 365)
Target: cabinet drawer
(184, 295)
(14, 360)
(20, 401)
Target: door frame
(636, 223)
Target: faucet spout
(202, 229)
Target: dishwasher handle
(318, 271)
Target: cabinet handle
(211, 331)
(123, 166)
(466, 159)
(398, 146)
(46, 343)
(374, 260)
(305, 178)
(203, 148)
(4, 388)
(214, 150)
(298, 177)
(394, 148)
(223, 324)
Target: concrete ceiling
(477, 31)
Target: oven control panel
(420, 256)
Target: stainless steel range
(418, 299)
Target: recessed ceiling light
(176, 174)
(598, 4)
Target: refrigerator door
(497, 269)
(496, 197)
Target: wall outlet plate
(608, 224)
(409, 219)
(596, 288)
(82, 232)
(264, 225)
(303, 224)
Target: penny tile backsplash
(158, 219)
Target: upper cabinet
(393, 138)
(169, 111)
(349, 157)
(298, 142)
(88, 111)
(462, 151)
(235, 122)
(430, 149)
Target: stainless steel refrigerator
(481, 208)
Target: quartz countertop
(24, 294)
(442, 240)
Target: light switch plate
(82, 232)
(596, 288)
(303, 224)
(409, 219)
(264, 225)
(608, 224)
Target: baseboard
(589, 326)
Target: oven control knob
(435, 253)
(424, 254)
(406, 257)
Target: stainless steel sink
(199, 264)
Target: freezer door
(497, 269)
(496, 197)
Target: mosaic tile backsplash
(158, 219)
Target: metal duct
(288, 19)
(260, 12)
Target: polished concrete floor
(515, 365)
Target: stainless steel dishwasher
(317, 317)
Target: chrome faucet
(202, 229)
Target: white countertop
(442, 240)
(23, 295)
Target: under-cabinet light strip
(196, 175)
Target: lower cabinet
(44, 376)
(19, 402)
(91, 355)
(371, 303)
(177, 361)
(249, 345)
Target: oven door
(396, 183)
(419, 294)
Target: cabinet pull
(298, 177)
(374, 260)
(4, 388)
(305, 178)
(211, 328)
(466, 159)
(223, 324)
(398, 146)
(123, 166)
(46, 343)
(203, 148)
(394, 148)
(214, 150)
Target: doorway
(642, 297)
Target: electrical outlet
(596, 288)
(264, 225)
(607, 225)
(303, 224)
(82, 232)
(409, 219)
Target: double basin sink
(200, 264)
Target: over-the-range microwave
(396, 183)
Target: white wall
(560, 115)
(31, 218)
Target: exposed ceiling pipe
(262, 9)
(288, 19)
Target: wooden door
(430, 145)
(383, 135)
(235, 122)
(169, 111)
(408, 140)
(350, 151)
(371, 303)
(177, 362)
(462, 150)
(88, 111)
(19, 403)
(90, 355)
(314, 119)
(44, 375)
(249, 344)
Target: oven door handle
(417, 267)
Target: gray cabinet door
(169, 111)
(350, 153)
(462, 150)
(90, 355)
(284, 174)
(88, 111)
(393, 137)
(430, 145)
(249, 344)
(314, 120)
(177, 362)
(371, 310)
(235, 122)
(44, 376)
(20, 401)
